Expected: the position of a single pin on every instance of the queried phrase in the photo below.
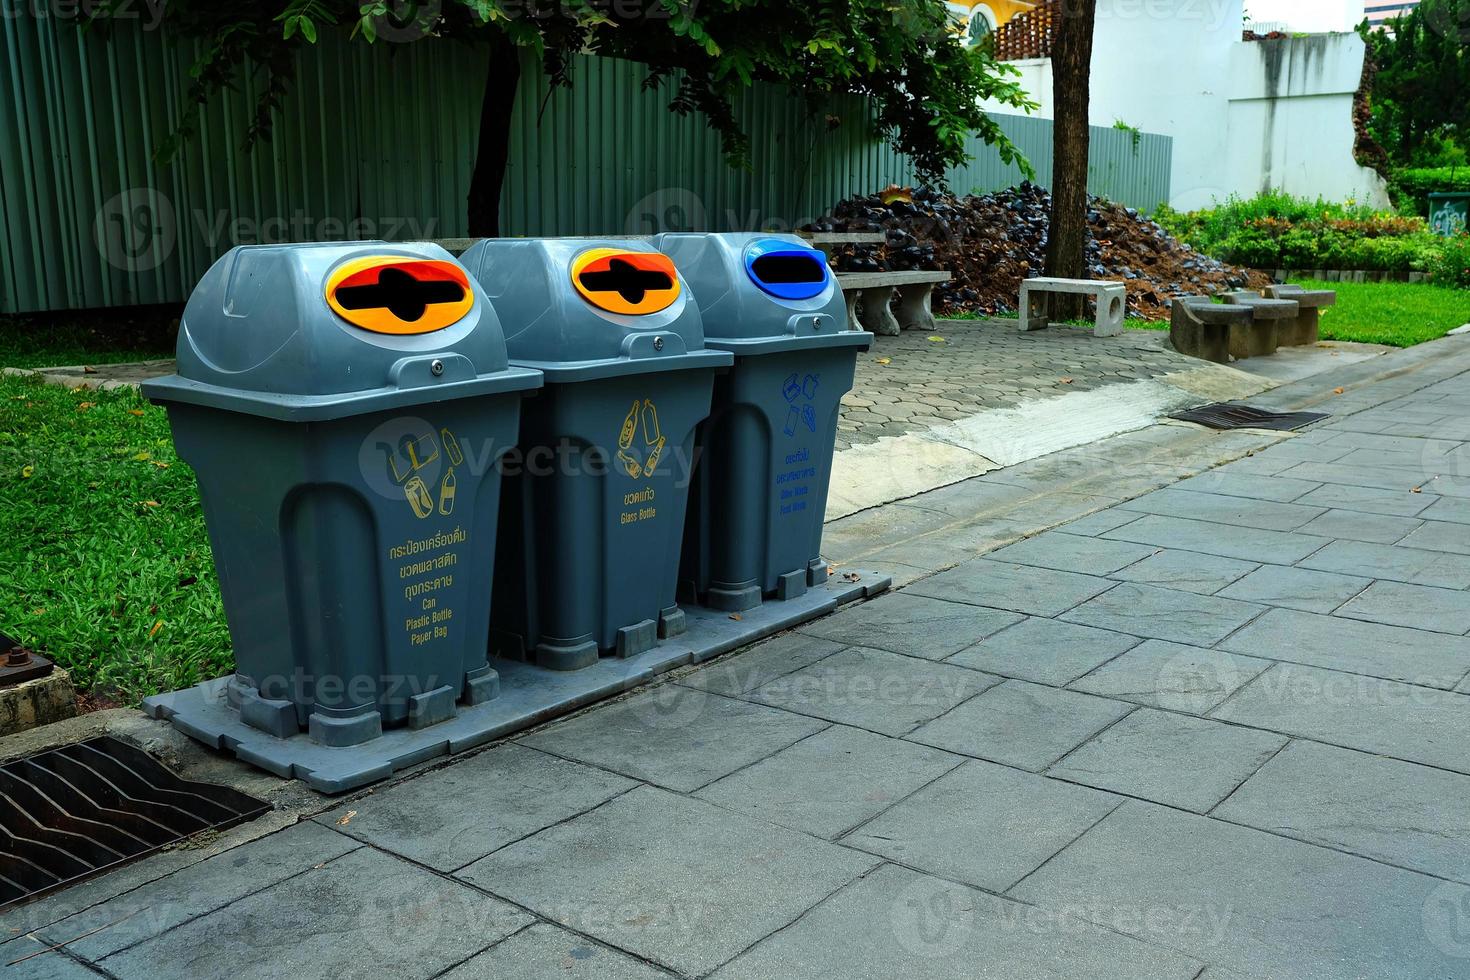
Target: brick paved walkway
(1220, 730)
(981, 364)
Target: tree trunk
(493, 150)
(1071, 65)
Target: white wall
(1179, 67)
(1291, 106)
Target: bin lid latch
(431, 369)
(806, 324)
(637, 346)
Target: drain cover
(1225, 415)
(79, 809)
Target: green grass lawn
(104, 561)
(1399, 314)
(92, 337)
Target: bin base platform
(529, 695)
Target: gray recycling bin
(595, 501)
(343, 407)
(755, 525)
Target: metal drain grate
(79, 809)
(1225, 415)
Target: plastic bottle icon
(809, 416)
(418, 497)
(447, 490)
(451, 447)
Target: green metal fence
(378, 142)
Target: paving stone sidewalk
(1218, 730)
(922, 380)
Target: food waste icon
(799, 394)
(640, 443)
(405, 464)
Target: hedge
(1410, 187)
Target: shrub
(1451, 266)
(1410, 187)
(1275, 231)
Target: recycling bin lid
(310, 332)
(578, 309)
(761, 293)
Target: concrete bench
(874, 290)
(1266, 321)
(1306, 328)
(1111, 298)
(1200, 327)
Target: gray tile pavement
(983, 824)
(673, 736)
(873, 689)
(366, 907)
(1400, 721)
(827, 784)
(1247, 901)
(899, 923)
(637, 873)
(1189, 571)
(908, 623)
(1371, 500)
(1172, 676)
(1047, 651)
(544, 952)
(1247, 544)
(1028, 726)
(1073, 553)
(1165, 614)
(1370, 648)
(458, 814)
(1398, 812)
(1296, 588)
(1018, 588)
(1182, 761)
(1090, 722)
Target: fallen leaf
(1417, 490)
(884, 360)
(1066, 381)
(1338, 391)
(162, 466)
(83, 406)
(318, 867)
(937, 340)
(38, 612)
(135, 411)
(851, 576)
(346, 818)
(27, 471)
(89, 370)
(142, 457)
(151, 503)
(156, 627)
(736, 616)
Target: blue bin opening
(786, 271)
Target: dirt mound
(991, 243)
